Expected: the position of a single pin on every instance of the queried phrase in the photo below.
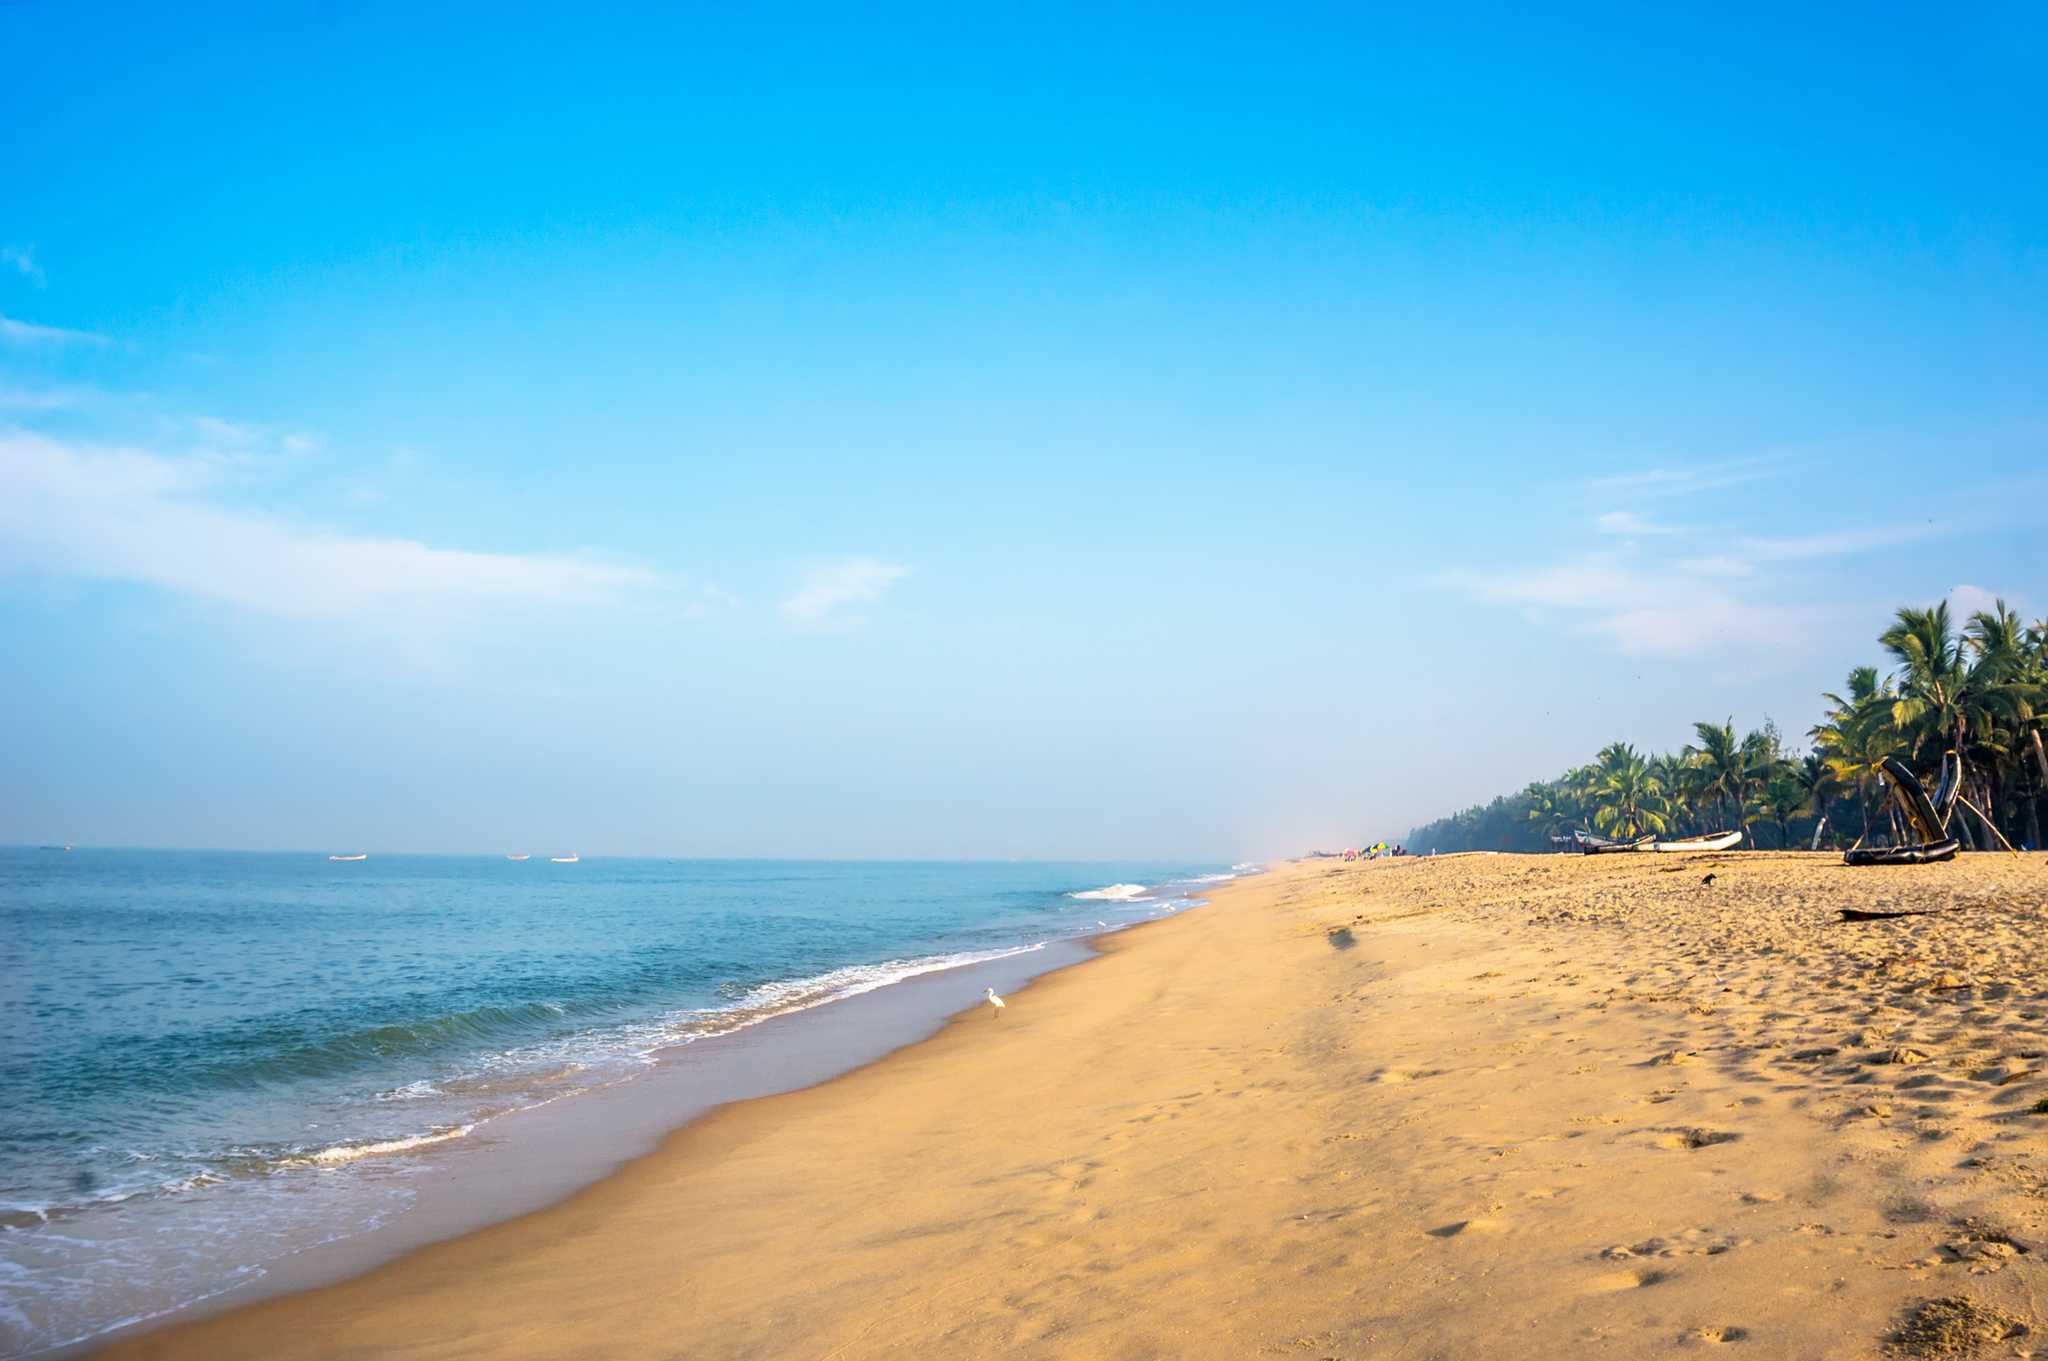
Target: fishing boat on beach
(1712, 841)
(1592, 844)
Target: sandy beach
(1474, 1106)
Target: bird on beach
(995, 1001)
(1708, 881)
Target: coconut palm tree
(1631, 801)
(1723, 764)
(1949, 700)
(2004, 671)
(1857, 734)
(1817, 785)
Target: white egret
(995, 1001)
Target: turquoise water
(213, 1059)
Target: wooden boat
(1716, 841)
(568, 859)
(521, 856)
(1912, 796)
(1950, 789)
(1927, 819)
(1903, 855)
(1600, 845)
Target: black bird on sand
(1708, 881)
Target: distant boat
(569, 859)
(521, 856)
(359, 855)
(53, 848)
(1714, 841)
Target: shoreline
(530, 1160)
(1335, 1110)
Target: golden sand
(1471, 1107)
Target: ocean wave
(380, 1148)
(780, 998)
(1115, 893)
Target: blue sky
(1028, 433)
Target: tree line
(1980, 690)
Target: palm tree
(1857, 735)
(1816, 780)
(1631, 800)
(1723, 764)
(1784, 798)
(1549, 814)
(1948, 701)
(2004, 671)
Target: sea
(214, 1063)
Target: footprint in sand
(1404, 1074)
(1688, 1243)
(1695, 1138)
(1713, 1336)
(1613, 1282)
(1481, 1225)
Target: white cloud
(1964, 601)
(225, 432)
(1645, 601)
(1685, 480)
(124, 514)
(1642, 608)
(22, 259)
(1836, 543)
(831, 595)
(247, 439)
(44, 399)
(1716, 565)
(1630, 523)
(28, 333)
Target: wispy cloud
(1629, 523)
(15, 332)
(126, 514)
(1684, 480)
(1966, 600)
(247, 439)
(1642, 608)
(834, 595)
(1837, 543)
(1646, 601)
(22, 260)
(37, 399)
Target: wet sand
(1534, 1106)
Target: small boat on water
(1716, 841)
(521, 856)
(568, 859)
(359, 855)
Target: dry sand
(1472, 1107)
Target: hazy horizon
(980, 437)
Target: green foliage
(1980, 691)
